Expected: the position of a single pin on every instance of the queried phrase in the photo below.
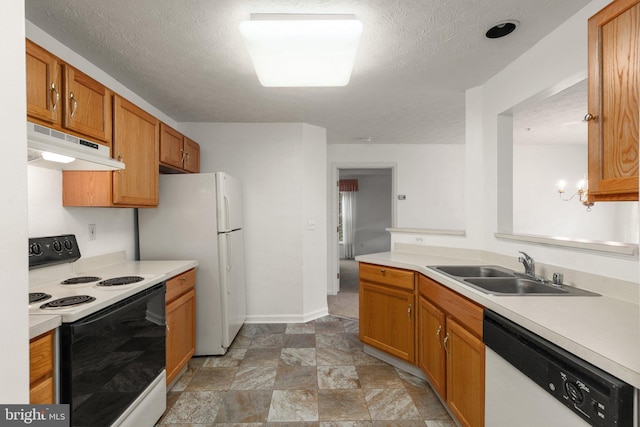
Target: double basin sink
(495, 280)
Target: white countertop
(601, 330)
(164, 270)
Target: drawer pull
(183, 278)
(382, 270)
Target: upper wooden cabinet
(87, 105)
(136, 143)
(177, 152)
(44, 86)
(614, 71)
(191, 161)
(63, 98)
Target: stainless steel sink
(475, 271)
(514, 286)
(495, 280)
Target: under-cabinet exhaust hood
(53, 149)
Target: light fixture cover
(302, 50)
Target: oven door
(109, 358)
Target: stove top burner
(117, 281)
(68, 301)
(37, 297)
(81, 279)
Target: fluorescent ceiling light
(302, 50)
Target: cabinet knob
(589, 117)
(382, 270)
(183, 278)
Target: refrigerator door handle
(227, 213)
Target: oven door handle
(89, 324)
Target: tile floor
(307, 375)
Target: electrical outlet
(92, 232)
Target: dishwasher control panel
(598, 397)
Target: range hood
(53, 149)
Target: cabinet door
(136, 143)
(43, 85)
(41, 369)
(614, 73)
(465, 375)
(171, 142)
(181, 333)
(191, 156)
(387, 320)
(87, 105)
(431, 356)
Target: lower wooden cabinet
(387, 318)
(181, 322)
(41, 384)
(450, 349)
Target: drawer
(41, 356)
(387, 275)
(465, 312)
(41, 393)
(180, 284)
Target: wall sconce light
(292, 50)
(582, 192)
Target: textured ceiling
(416, 59)
(557, 119)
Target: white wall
(47, 217)
(314, 196)
(430, 175)
(559, 57)
(282, 169)
(14, 324)
(538, 209)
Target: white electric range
(111, 343)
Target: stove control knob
(35, 249)
(573, 392)
(68, 245)
(57, 246)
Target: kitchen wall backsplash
(47, 217)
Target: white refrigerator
(199, 216)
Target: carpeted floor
(345, 304)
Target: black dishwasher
(597, 397)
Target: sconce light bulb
(561, 185)
(581, 185)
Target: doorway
(365, 211)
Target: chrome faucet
(529, 264)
